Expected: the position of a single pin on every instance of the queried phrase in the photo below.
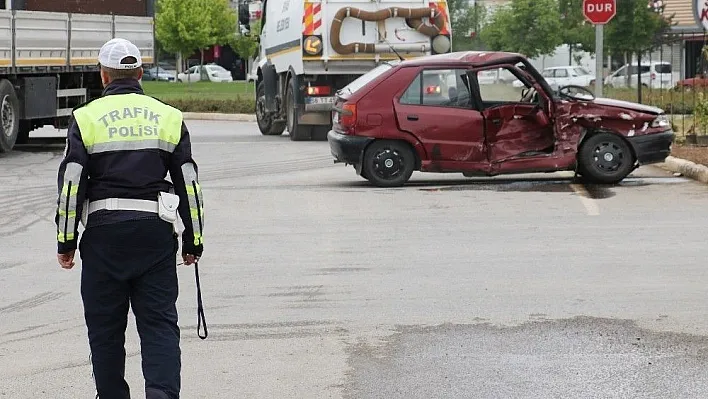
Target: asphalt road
(320, 286)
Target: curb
(687, 168)
(209, 116)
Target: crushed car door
(438, 109)
(516, 122)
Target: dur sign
(700, 13)
(599, 12)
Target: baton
(201, 320)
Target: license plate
(319, 100)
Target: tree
(529, 27)
(247, 45)
(466, 21)
(183, 26)
(576, 31)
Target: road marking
(590, 204)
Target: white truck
(309, 49)
(48, 65)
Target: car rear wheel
(605, 158)
(388, 163)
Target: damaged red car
(444, 114)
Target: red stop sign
(599, 12)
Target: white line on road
(590, 204)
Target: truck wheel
(297, 131)
(605, 158)
(23, 133)
(319, 133)
(265, 121)
(388, 163)
(9, 116)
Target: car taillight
(348, 117)
(318, 90)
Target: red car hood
(628, 105)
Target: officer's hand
(189, 259)
(66, 261)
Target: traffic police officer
(120, 147)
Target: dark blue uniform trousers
(133, 264)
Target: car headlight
(661, 121)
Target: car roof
(476, 58)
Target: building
(688, 38)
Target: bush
(700, 115)
(236, 105)
(671, 101)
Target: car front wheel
(605, 158)
(388, 163)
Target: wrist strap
(201, 320)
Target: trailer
(49, 59)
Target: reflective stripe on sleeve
(67, 202)
(131, 145)
(196, 201)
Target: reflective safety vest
(124, 122)
(128, 122)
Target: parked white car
(495, 76)
(657, 75)
(560, 76)
(215, 73)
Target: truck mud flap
(270, 80)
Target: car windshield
(215, 68)
(581, 71)
(362, 80)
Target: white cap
(115, 50)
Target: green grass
(198, 90)
(229, 98)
